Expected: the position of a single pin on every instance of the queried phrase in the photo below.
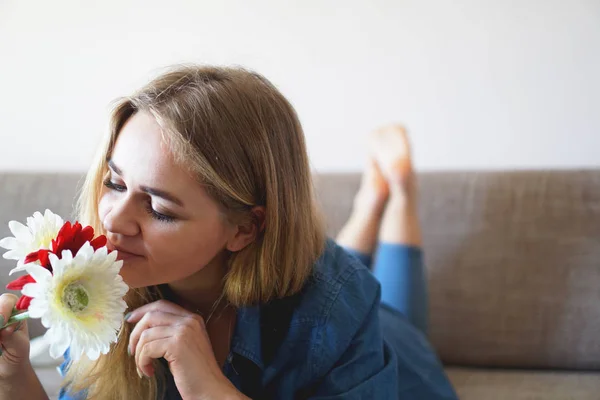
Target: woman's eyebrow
(151, 191)
(162, 194)
(113, 166)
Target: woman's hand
(164, 329)
(14, 341)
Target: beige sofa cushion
(490, 384)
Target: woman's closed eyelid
(115, 186)
(160, 216)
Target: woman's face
(162, 222)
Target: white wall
(480, 83)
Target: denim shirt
(327, 342)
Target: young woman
(204, 188)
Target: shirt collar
(247, 335)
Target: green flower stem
(14, 318)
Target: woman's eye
(113, 186)
(158, 216)
(153, 213)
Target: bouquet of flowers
(72, 284)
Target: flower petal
(99, 242)
(54, 260)
(66, 256)
(34, 290)
(23, 303)
(12, 255)
(17, 269)
(38, 309)
(38, 272)
(19, 230)
(9, 243)
(93, 353)
(86, 251)
(58, 344)
(21, 281)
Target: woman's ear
(247, 232)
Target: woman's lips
(123, 255)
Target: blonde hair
(243, 141)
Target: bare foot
(361, 230)
(373, 191)
(400, 223)
(391, 148)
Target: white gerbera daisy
(37, 235)
(81, 304)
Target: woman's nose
(121, 219)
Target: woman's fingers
(14, 339)
(151, 319)
(159, 325)
(7, 304)
(160, 305)
(153, 344)
(158, 313)
(7, 335)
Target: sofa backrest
(513, 261)
(512, 258)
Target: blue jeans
(399, 269)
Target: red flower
(41, 256)
(17, 284)
(70, 237)
(21, 281)
(23, 302)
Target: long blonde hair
(243, 141)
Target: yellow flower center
(75, 297)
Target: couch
(513, 269)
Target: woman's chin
(136, 280)
(129, 275)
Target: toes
(391, 149)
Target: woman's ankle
(400, 221)
(404, 194)
(361, 231)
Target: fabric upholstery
(491, 384)
(513, 264)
